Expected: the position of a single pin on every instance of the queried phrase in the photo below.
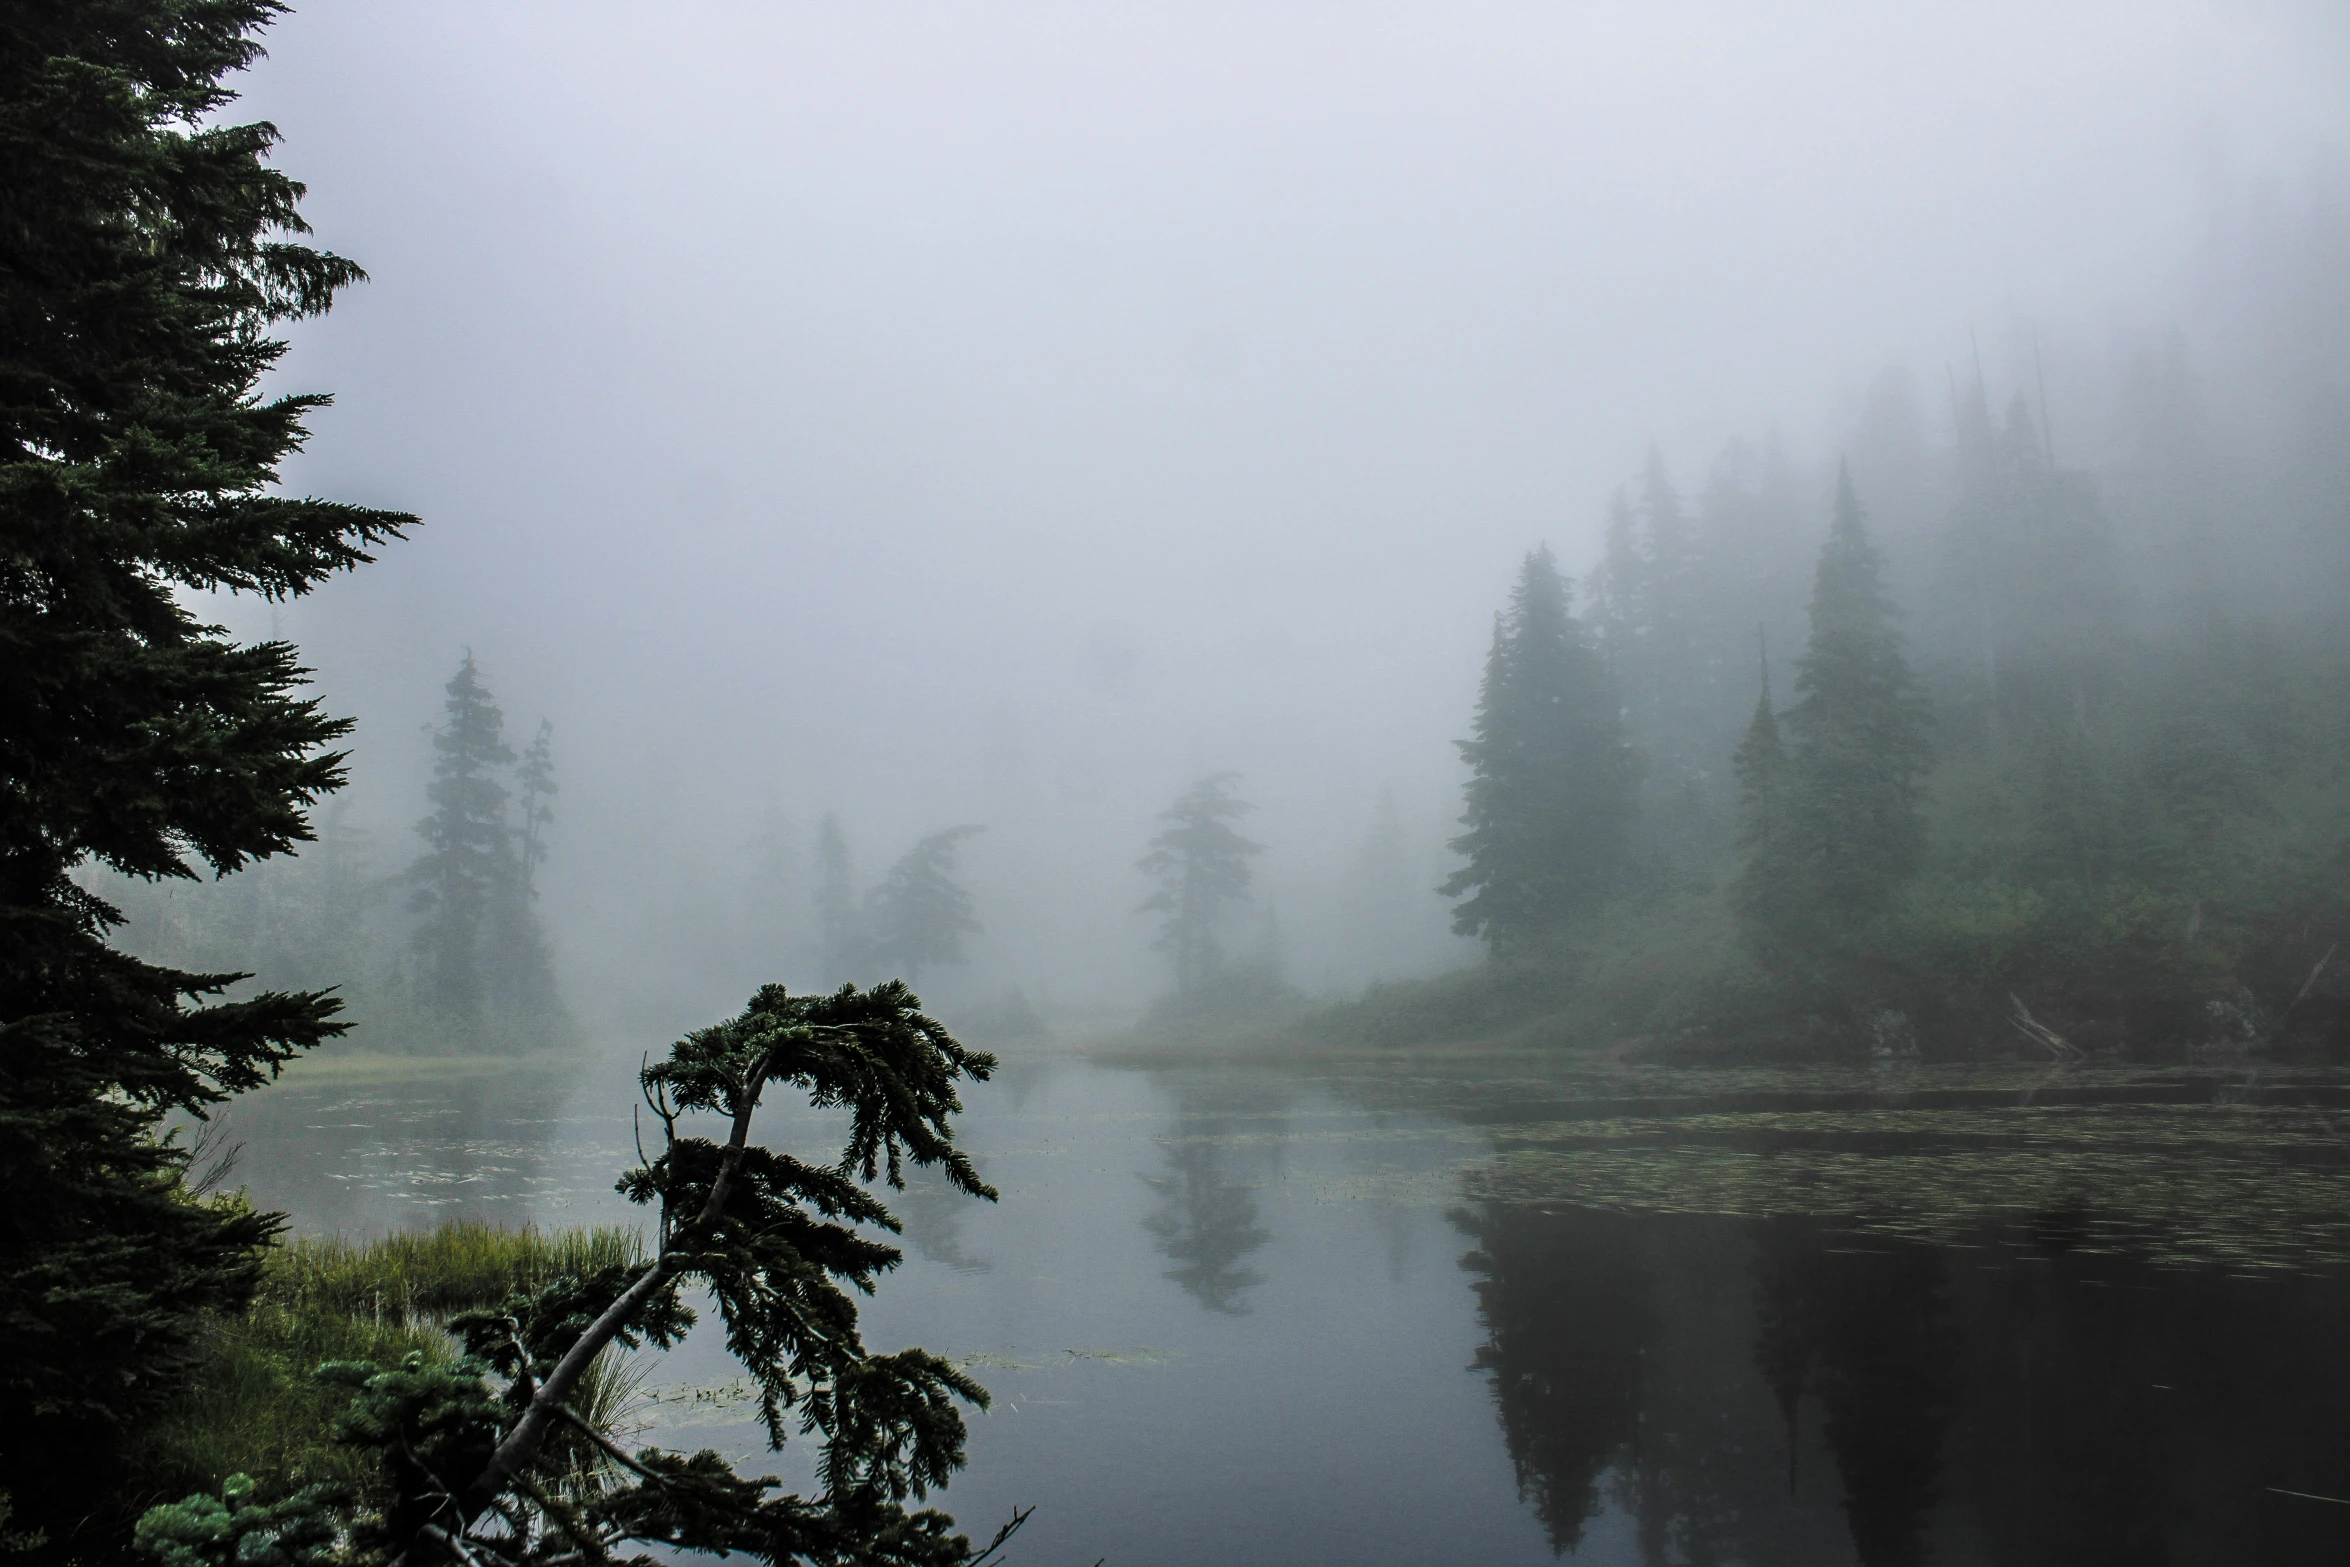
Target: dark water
(1415, 1315)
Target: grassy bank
(252, 1405)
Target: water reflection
(1205, 1220)
(1777, 1392)
(358, 1151)
(2043, 1385)
(1885, 1372)
(933, 1212)
(1569, 1311)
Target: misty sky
(1006, 412)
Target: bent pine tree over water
(472, 1452)
(148, 249)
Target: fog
(1007, 414)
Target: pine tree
(1550, 792)
(1859, 745)
(148, 250)
(472, 1450)
(1766, 890)
(470, 867)
(1202, 865)
(920, 913)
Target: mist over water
(1611, 743)
(1007, 417)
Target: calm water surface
(1404, 1315)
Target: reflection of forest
(1205, 1221)
(1775, 1393)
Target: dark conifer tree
(479, 1455)
(1860, 747)
(1202, 865)
(1550, 791)
(148, 249)
(470, 866)
(1767, 889)
(920, 913)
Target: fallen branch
(2060, 1048)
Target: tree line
(2045, 808)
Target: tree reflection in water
(1778, 1394)
(1665, 1367)
(1569, 1312)
(1205, 1221)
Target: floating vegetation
(2186, 1170)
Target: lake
(1412, 1310)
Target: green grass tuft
(429, 1276)
(251, 1404)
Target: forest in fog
(2111, 582)
(1208, 713)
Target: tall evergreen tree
(147, 251)
(1551, 778)
(470, 864)
(920, 913)
(1767, 886)
(1202, 865)
(1859, 744)
(477, 1455)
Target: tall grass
(251, 1404)
(429, 1276)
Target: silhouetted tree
(468, 1448)
(1202, 865)
(920, 913)
(1859, 748)
(483, 964)
(1767, 889)
(1550, 791)
(148, 249)
(469, 864)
